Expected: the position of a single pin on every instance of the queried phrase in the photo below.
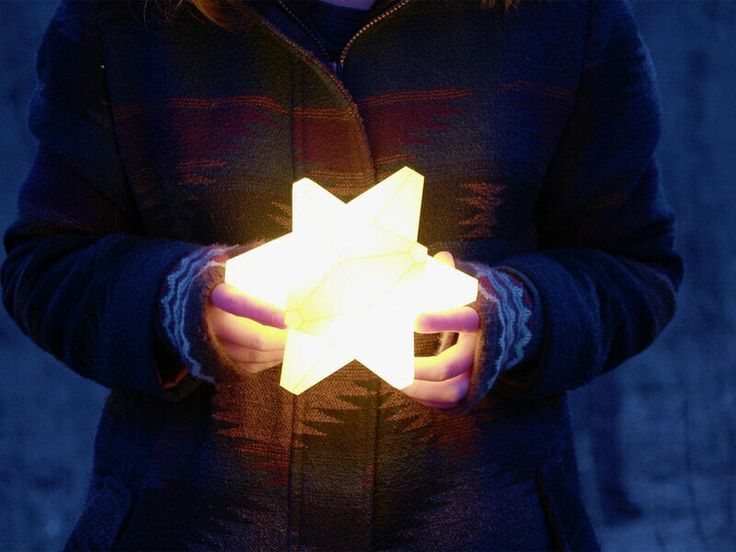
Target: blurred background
(656, 438)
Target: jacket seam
(127, 191)
(367, 162)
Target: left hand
(442, 381)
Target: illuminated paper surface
(351, 279)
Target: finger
(245, 354)
(235, 301)
(451, 362)
(254, 368)
(446, 258)
(246, 332)
(463, 319)
(450, 391)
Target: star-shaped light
(351, 279)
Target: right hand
(251, 333)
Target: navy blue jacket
(535, 130)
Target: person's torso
(213, 127)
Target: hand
(442, 381)
(251, 333)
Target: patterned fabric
(510, 300)
(535, 131)
(511, 317)
(183, 299)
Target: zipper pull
(336, 67)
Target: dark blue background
(656, 439)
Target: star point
(352, 279)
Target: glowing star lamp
(351, 279)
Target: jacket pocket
(102, 519)
(557, 483)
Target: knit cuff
(510, 327)
(184, 298)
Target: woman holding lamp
(168, 136)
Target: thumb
(445, 257)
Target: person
(168, 142)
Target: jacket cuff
(193, 348)
(510, 329)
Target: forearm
(553, 319)
(599, 309)
(93, 302)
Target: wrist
(510, 328)
(184, 300)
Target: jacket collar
(289, 17)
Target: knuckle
(456, 393)
(446, 371)
(257, 342)
(251, 355)
(454, 396)
(247, 368)
(453, 366)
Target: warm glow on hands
(250, 332)
(442, 381)
(352, 280)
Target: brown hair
(229, 13)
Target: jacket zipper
(313, 35)
(380, 17)
(337, 64)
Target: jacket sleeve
(81, 278)
(605, 272)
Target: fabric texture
(535, 130)
(186, 291)
(511, 317)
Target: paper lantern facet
(351, 279)
(264, 272)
